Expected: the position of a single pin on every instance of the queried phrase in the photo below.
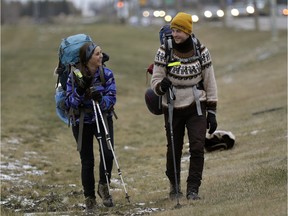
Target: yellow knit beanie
(183, 22)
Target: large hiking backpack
(153, 101)
(68, 54)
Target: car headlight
(195, 18)
(208, 14)
(220, 13)
(235, 12)
(250, 9)
(146, 13)
(168, 18)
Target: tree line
(38, 11)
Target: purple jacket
(108, 91)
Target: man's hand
(211, 122)
(165, 84)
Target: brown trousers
(196, 129)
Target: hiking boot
(192, 196)
(90, 203)
(173, 192)
(103, 192)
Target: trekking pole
(170, 99)
(99, 138)
(108, 139)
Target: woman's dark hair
(85, 53)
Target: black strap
(196, 47)
(71, 110)
(168, 50)
(80, 134)
(103, 81)
(101, 73)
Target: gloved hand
(211, 122)
(96, 96)
(165, 84)
(84, 83)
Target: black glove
(96, 96)
(165, 84)
(84, 83)
(211, 122)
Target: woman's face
(96, 58)
(179, 36)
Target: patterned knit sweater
(186, 75)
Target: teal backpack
(69, 55)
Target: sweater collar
(184, 47)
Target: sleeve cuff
(211, 106)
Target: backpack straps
(102, 77)
(168, 49)
(59, 70)
(169, 53)
(103, 81)
(80, 134)
(74, 72)
(196, 47)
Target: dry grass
(250, 179)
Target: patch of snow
(185, 158)
(256, 132)
(140, 204)
(129, 148)
(4, 177)
(11, 171)
(14, 141)
(146, 210)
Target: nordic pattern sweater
(186, 75)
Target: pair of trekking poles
(96, 107)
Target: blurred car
(282, 8)
(212, 12)
(242, 9)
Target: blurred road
(265, 23)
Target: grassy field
(40, 167)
